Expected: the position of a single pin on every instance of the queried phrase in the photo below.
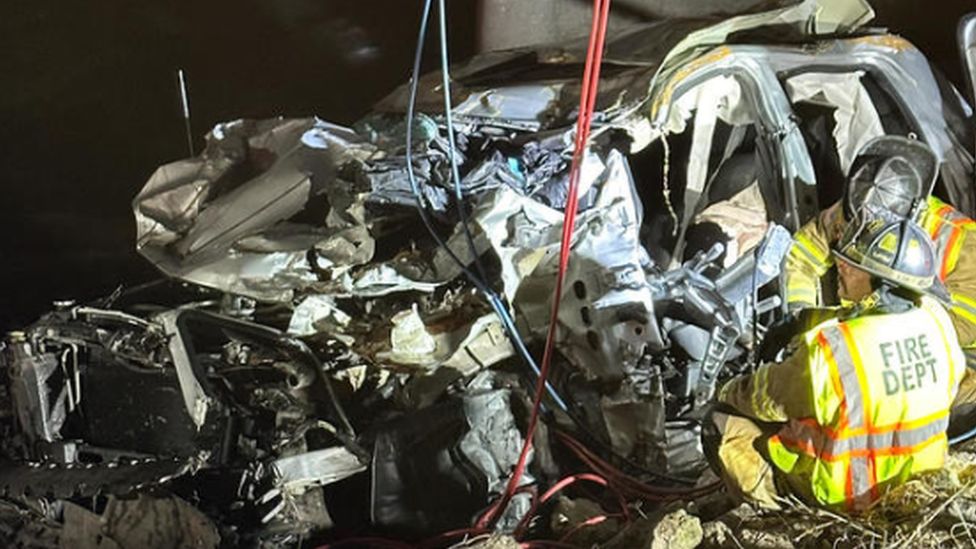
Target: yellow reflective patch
(889, 243)
(965, 300)
(930, 222)
(807, 260)
(807, 295)
(802, 295)
(952, 254)
(811, 249)
(965, 312)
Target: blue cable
(493, 299)
(962, 437)
(452, 156)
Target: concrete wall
(511, 23)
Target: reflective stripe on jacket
(809, 259)
(881, 387)
(948, 229)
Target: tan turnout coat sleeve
(775, 392)
(809, 259)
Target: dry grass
(936, 509)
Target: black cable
(452, 157)
(493, 300)
(959, 439)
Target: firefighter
(862, 401)
(892, 171)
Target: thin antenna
(185, 103)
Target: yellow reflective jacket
(810, 258)
(864, 403)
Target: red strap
(588, 92)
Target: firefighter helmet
(890, 172)
(893, 248)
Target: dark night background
(88, 107)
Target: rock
(677, 530)
(145, 521)
(717, 534)
(495, 541)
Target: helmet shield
(890, 172)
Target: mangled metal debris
(465, 445)
(338, 375)
(116, 403)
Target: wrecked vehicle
(334, 349)
(102, 400)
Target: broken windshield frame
(907, 78)
(786, 175)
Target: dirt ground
(937, 509)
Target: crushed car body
(334, 372)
